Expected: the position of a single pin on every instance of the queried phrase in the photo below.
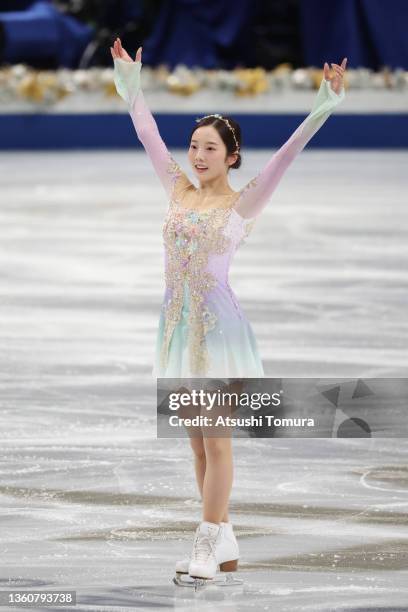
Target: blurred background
(210, 34)
(259, 59)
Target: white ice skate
(214, 547)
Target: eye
(211, 149)
(192, 146)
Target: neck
(216, 186)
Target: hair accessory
(217, 116)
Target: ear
(231, 159)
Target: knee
(217, 447)
(198, 448)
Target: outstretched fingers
(117, 51)
(340, 69)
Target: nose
(198, 155)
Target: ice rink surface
(90, 500)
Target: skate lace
(203, 548)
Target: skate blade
(224, 579)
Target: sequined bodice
(191, 238)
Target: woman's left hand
(336, 81)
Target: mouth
(201, 168)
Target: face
(207, 154)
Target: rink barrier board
(41, 131)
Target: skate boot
(227, 551)
(228, 565)
(203, 563)
(214, 546)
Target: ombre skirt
(231, 346)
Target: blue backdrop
(209, 33)
(371, 33)
(219, 33)
(115, 131)
(41, 32)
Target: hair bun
(237, 163)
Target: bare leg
(218, 479)
(200, 460)
(219, 464)
(213, 468)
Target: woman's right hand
(118, 52)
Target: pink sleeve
(127, 81)
(255, 195)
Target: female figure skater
(203, 331)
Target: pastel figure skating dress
(203, 331)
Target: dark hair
(225, 134)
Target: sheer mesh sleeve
(127, 82)
(255, 195)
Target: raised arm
(127, 82)
(255, 195)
